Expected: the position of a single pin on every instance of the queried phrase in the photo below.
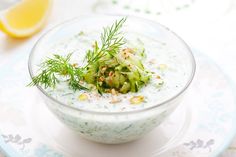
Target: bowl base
(166, 136)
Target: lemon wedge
(25, 18)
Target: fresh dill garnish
(111, 42)
(58, 66)
(109, 66)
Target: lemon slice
(25, 18)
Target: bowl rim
(184, 88)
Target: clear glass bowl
(111, 127)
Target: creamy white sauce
(175, 75)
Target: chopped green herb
(81, 33)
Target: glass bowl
(111, 127)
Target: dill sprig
(57, 66)
(111, 41)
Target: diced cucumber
(123, 72)
(90, 76)
(125, 88)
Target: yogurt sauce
(165, 63)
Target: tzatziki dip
(168, 73)
(117, 71)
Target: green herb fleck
(114, 2)
(126, 7)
